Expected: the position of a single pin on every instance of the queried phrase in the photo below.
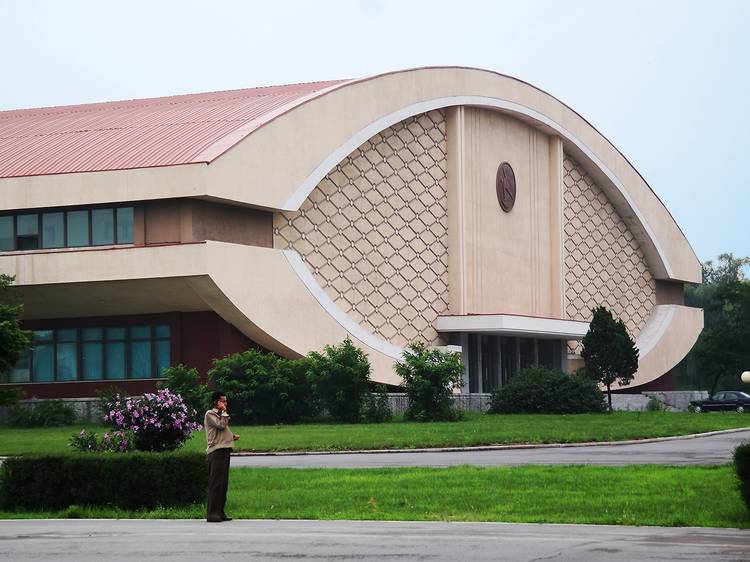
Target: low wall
(677, 401)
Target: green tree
(711, 364)
(429, 376)
(609, 351)
(13, 340)
(339, 377)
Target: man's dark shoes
(214, 519)
(225, 518)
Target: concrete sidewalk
(197, 541)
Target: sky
(667, 82)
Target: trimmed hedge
(537, 390)
(126, 481)
(742, 468)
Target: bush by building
(10, 396)
(376, 408)
(133, 481)
(538, 390)
(263, 388)
(742, 469)
(45, 413)
(339, 377)
(113, 442)
(429, 376)
(158, 421)
(185, 381)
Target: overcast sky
(667, 82)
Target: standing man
(220, 443)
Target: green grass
(632, 495)
(476, 429)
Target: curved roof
(141, 133)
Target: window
(102, 227)
(67, 229)
(27, 232)
(96, 353)
(53, 230)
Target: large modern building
(453, 205)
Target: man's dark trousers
(218, 481)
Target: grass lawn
(632, 495)
(476, 429)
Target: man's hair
(216, 394)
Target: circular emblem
(505, 185)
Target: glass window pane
(66, 335)
(67, 361)
(102, 227)
(78, 228)
(140, 332)
(20, 372)
(140, 359)
(52, 230)
(43, 362)
(43, 335)
(115, 362)
(92, 334)
(115, 333)
(161, 331)
(125, 225)
(163, 359)
(27, 224)
(6, 233)
(92, 361)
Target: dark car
(725, 401)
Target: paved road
(197, 541)
(714, 449)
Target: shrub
(655, 405)
(339, 377)
(10, 396)
(376, 408)
(159, 422)
(429, 376)
(107, 399)
(537, 390)
(742, 469)
(114, 442)
(45, 413)
(133, 481)
(184, 381)
(263, 388)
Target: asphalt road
(188, 541)
(713, 449)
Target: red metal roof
(140, 133)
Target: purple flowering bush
(112, 442)
(158, 421)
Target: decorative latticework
(374, 231)
(604, 264)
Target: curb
(490, 447)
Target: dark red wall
(197, 339)
(666, 382)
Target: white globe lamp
(745, 377)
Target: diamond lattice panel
(374, 231)
(604, 264)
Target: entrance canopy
(513, 325)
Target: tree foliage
(429, 376)
(609, 352)
(722, 351)
(339, 377)
(13, 340)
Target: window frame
(65, 210)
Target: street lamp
(745, 377)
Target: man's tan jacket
(218, 434)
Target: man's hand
(235, 437)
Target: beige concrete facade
(370, 211)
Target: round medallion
(505, 185)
